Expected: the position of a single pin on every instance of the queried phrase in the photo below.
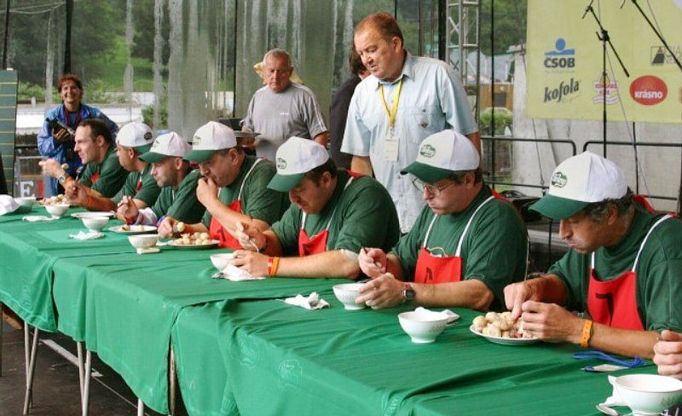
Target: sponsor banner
(564, 61)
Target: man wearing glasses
(464, 248)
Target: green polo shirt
(148, 192)
(111, 174)
(494, 250)
(181, 203)
(362, 215)
(257, 200)
(659, 271)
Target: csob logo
(648, 90)
(561, 57)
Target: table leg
(81, 370)
(2, 326)
(85, 400)
(140, 407)
(172, 382)
(31, 365)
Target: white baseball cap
(167, 145)
(136, 135)
(579, 181)
(441, 154)
(208, 138)
(296, 157)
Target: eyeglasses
(431, 189)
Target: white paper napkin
(38, 218)
(312, 301)
(452, 317)
(90, 235)
(234, 273)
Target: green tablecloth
(285, 360)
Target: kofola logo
(565, 90)
(561, 58)
(648, 90)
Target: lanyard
(67, 117)
(394, 108)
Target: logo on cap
(558, 180)
(148, 136)
(427, 151)
(196, 140)
(281, 163)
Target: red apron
(216, 231)
(442, 268)
(614, 302)
(317, 243)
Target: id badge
(391, 148)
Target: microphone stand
(679, 65)
(603, 36)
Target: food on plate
(499, 325)
(180, 226)
(134, 228)
(194, 239)
(55, 200)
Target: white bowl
(26, 201)
(346, 294)
(648, 394)
(422, 328)
(95, 223)
(221, 260)
(57, 210)
(143, 240)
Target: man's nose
(564, 230)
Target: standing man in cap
(102, 175)
(332, 216)
(404, 100)
(465, 246)
(178, 183)
(282, 108)
(233, 188)
(623, 267)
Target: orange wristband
(273, 264)
(587, 333)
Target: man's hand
(516, 294)
(167, 227)
(668, 354)
(254, 263)
(207, 191)
(127, 210)
(76, 193)
(250, 238)
(60, 135)
(52, 168)
(372, 262)
(384, 291)
(550, 322)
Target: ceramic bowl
(423, 329)
(57, 210)
(346, 294)
(648, 394)
(95, 223)
(26, 201)
(143, 240)
(221, 260)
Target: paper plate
(134, 229)
(505, 341)
(213, 243)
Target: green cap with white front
(167, 145)
(441, 154)
(209, 138)
(296, 157)
(579, 181)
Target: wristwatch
(61, 179)
(408, 293)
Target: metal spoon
(602, 407)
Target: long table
(240, 350)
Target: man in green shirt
(233, 187)
(102, 175)
(333, 214)
(623, 267)
(178, 183)
(465, 246)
